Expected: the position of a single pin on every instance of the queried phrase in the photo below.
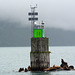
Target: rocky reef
(25, 70)
(64, 66)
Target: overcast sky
(55, 13)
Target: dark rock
(26, 70)
(66, 68)
(21, 69)
(71, 67)
(29, 68)
(60, 69)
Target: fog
(55, 13)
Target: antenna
(33, 7)
(32, 18)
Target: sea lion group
(63, 66)
(25, 70)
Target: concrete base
(39, 61)
(40, 55)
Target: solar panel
(34, 13)
(30, 19)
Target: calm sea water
(12, 58)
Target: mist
(55, 13)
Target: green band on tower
(38, 33)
